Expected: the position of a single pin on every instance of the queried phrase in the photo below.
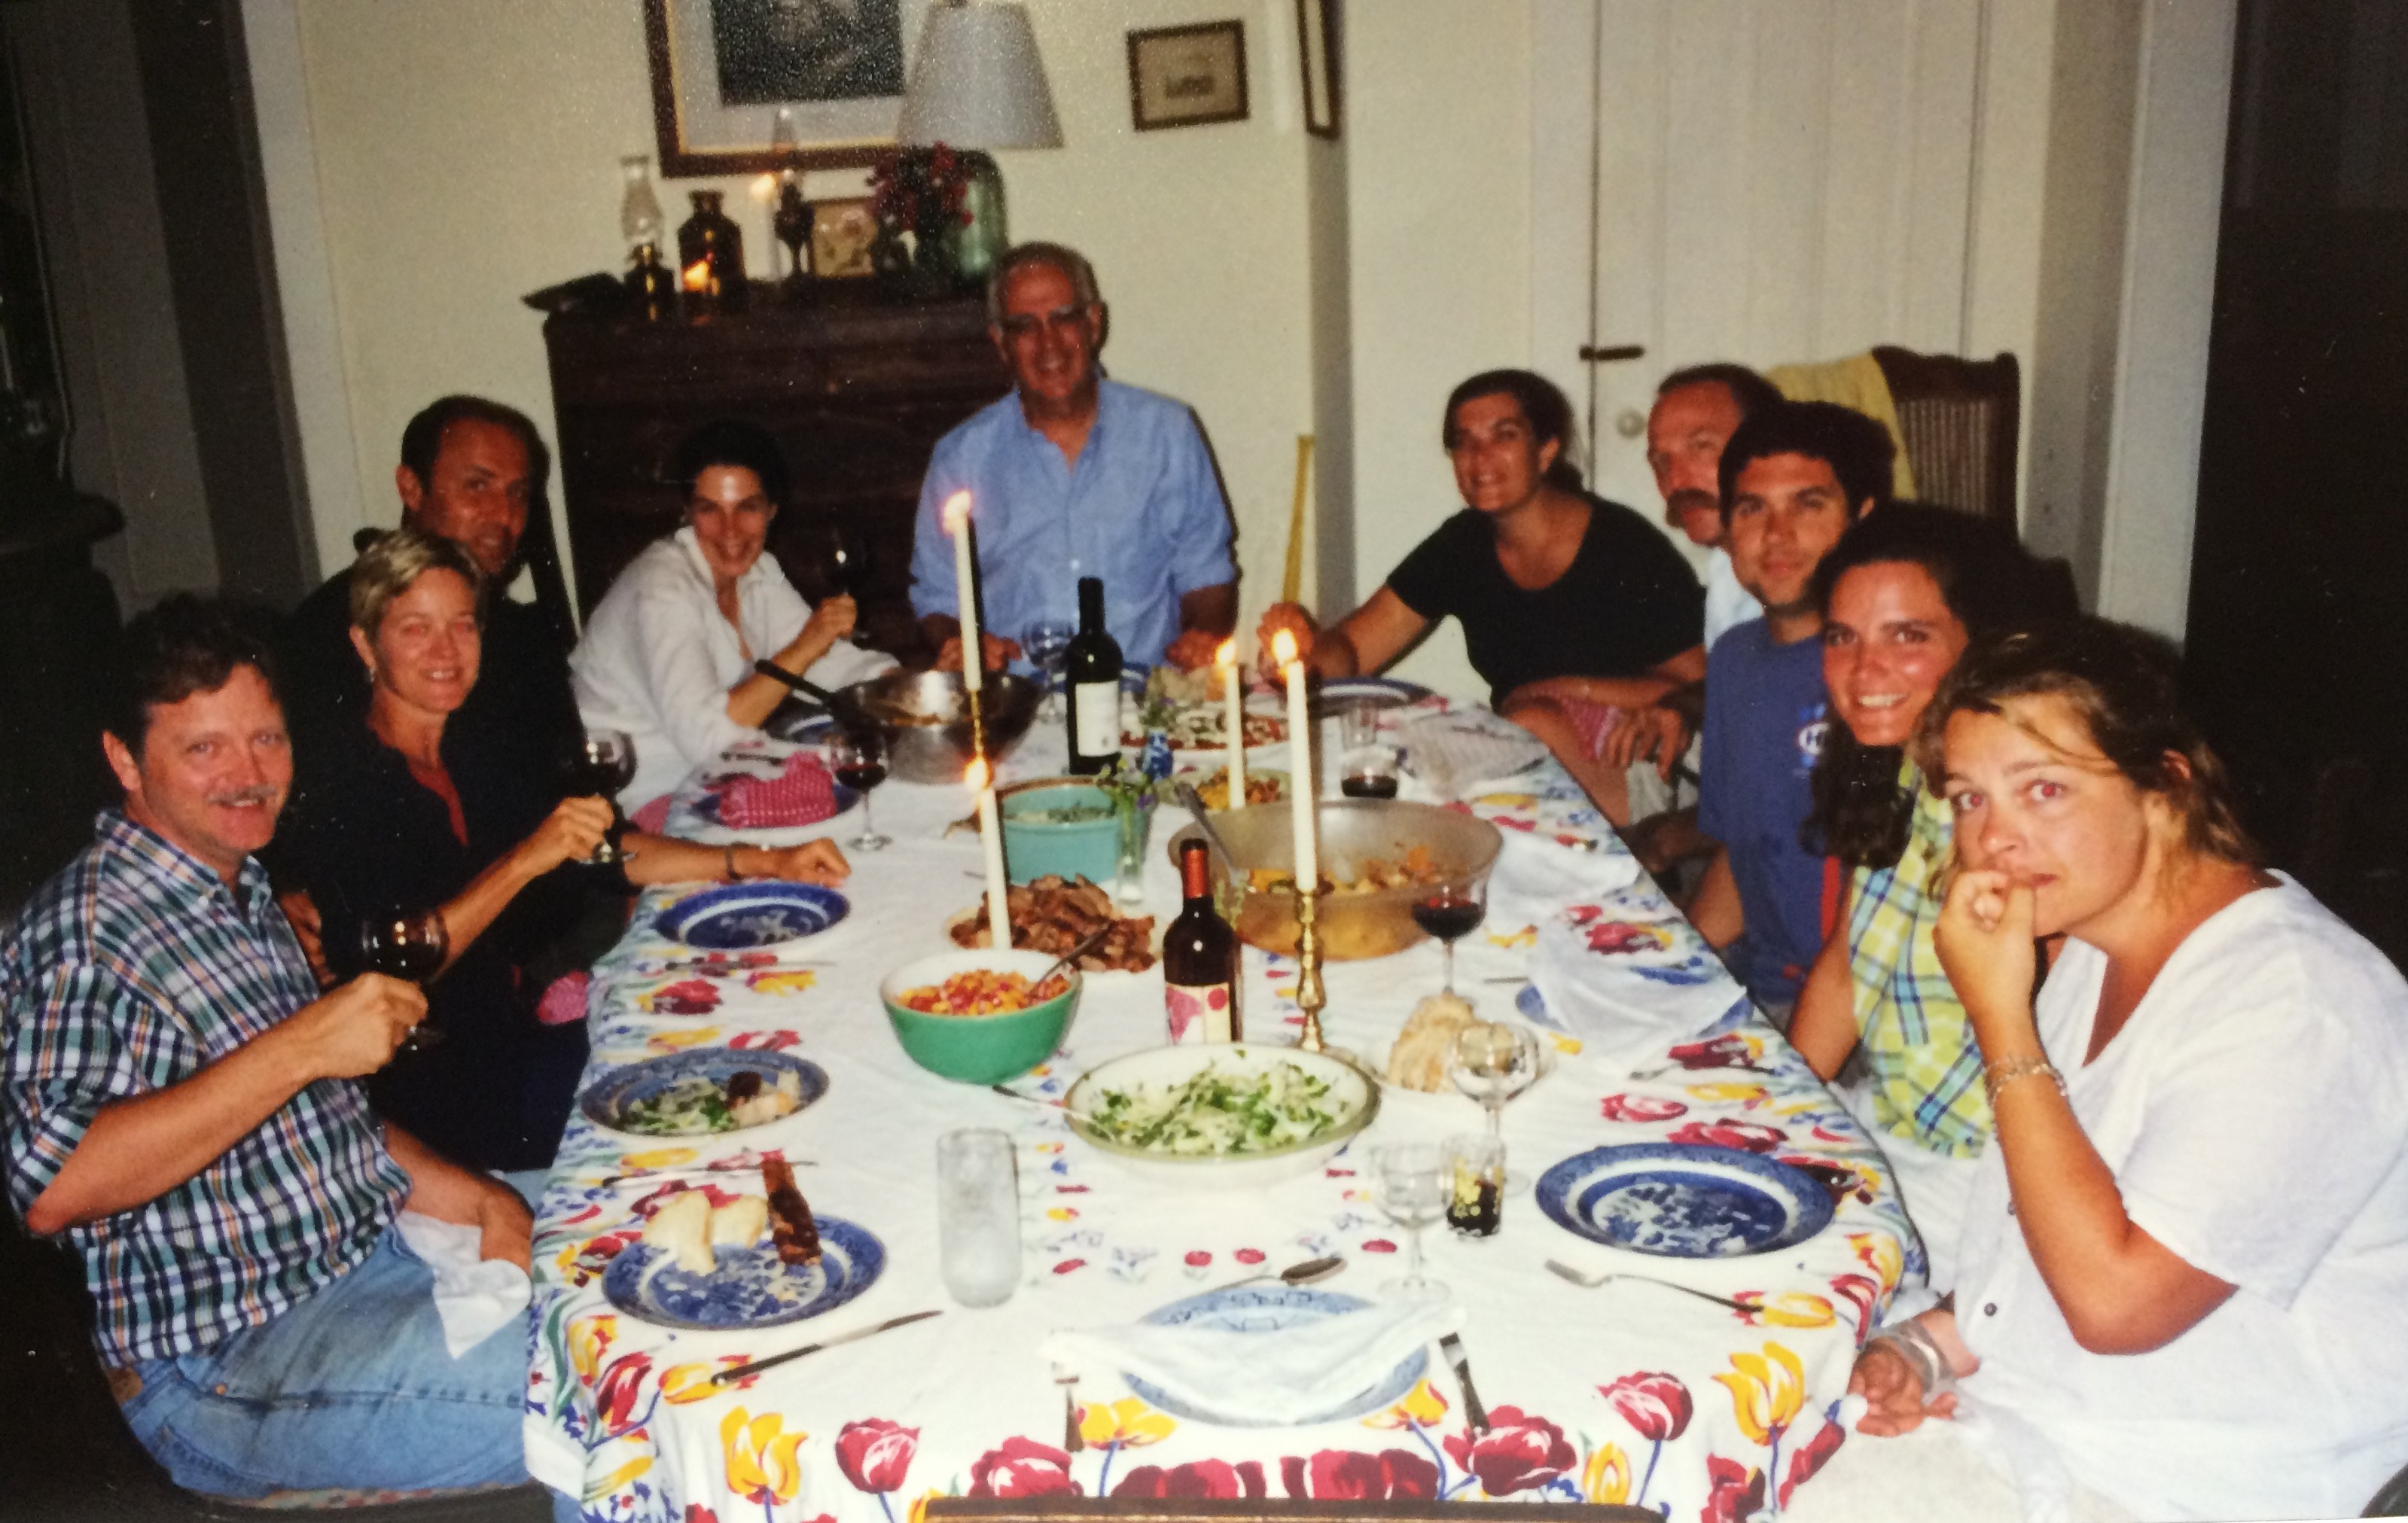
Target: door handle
(1609, 353)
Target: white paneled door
(1761, 180)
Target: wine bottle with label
(1091, 672)
(1200, 961)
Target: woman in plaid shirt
(1902, 594)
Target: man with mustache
(179, 1106)
(471, 470)
(1792, 477)
(1073, 475)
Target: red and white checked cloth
(802, 795)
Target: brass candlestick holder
(1310, 996)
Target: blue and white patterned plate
(1683, 1201)
(607, 1098)
(739, 916)
(752, 1288)
(1269, 1309)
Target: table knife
(728, 1377)
(1452, 1346)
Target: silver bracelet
(1919, 1348)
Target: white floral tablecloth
(1628, 1393)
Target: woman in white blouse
(2184, 1259)
(668, 653)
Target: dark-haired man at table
(178, 1104)
(1792, 478)
(1073, 475)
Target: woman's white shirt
(658, 659)
(2255, 1113)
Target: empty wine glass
(603, 762)
(1046, 644)
(1410, 1181)
(407, 944)
(1493, 1062)
(857, 759)
(1450, 911)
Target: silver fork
(1594, 1279)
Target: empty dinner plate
(752, 1287)
(1270, 1309)
(1683, 1201)
(739, 916)
(664, 1097)
(1377, 692)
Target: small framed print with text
(1187, 75)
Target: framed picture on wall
(1187, 75)
(725, 71)
(1316, 31)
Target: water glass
(1410, 1181)
(978, 1215)
(1137, 827)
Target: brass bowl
(1353, 925)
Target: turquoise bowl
(979, 1049)
(1032, 850)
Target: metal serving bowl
(925, 718)
(1353, 925)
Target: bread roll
(682, 1227)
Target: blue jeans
(351, 1388)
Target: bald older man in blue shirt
(1075, 476)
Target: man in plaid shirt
(180, 1105)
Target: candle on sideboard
(1304, 803)
(999, 905)
(957, 523)
(1233, 678)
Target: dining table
(1624, 1391)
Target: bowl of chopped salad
(974, 1015)
(1226, 1116)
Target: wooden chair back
(1959, 418)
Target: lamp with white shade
(977, 83)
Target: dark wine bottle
(1200, 964)
(1091, 670)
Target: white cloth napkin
(1452, 752)
(1630, 1003)
(1534, 879)
(473, 1296)
(1288, 1377)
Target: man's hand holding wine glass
(354, 1030)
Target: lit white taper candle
(957, 523)
(1304, 804)
(1234, 677)
(999, 905)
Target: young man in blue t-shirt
(1793, 477)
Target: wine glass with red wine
(1451, 911)
(603, 762)
(412, 944)
(857, 759)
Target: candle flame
(958, 512)
(975, 774)
(1226, 655)
(698, 275)
(1284, 648)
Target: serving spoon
(1310, 1272)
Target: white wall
(1439, 220)
(454, 175)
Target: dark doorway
(2298, 649)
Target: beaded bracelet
(1998, 1075)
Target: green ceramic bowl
(979, 1049)
(1034, 848)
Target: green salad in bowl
(1229, 1115)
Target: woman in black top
(1574, 609)
(395, 809)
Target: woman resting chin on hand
(2190, 1237)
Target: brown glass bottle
(710, 257)
(1200, 961)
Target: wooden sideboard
(857, 390)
